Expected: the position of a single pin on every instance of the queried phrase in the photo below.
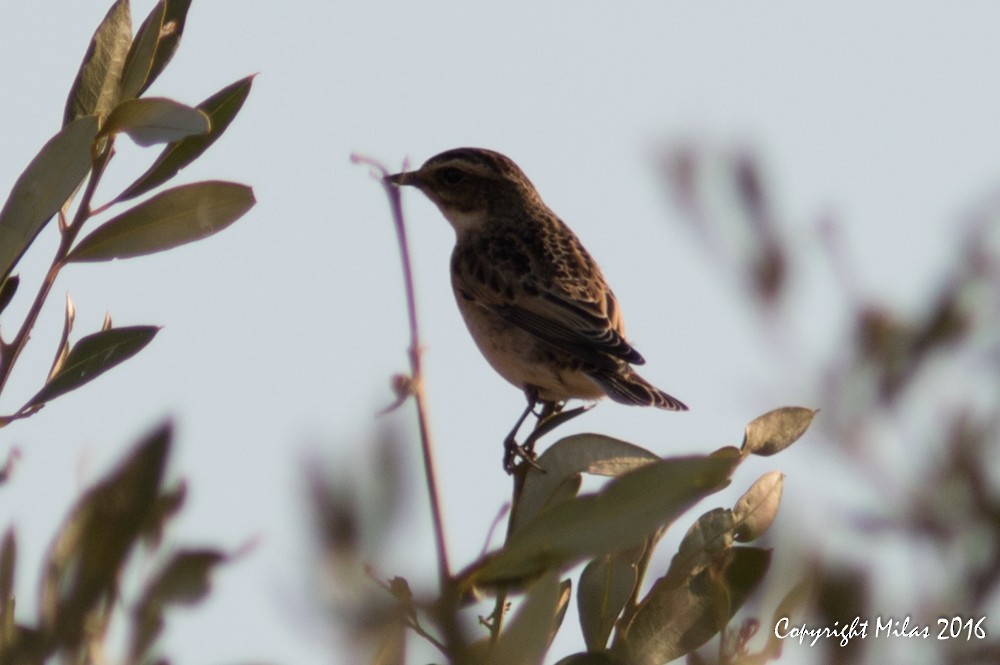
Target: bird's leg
(510, 446)
(549, 409)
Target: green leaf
(169, 219)
(606, 584)
(8, 558)
(88, 556)
(154, 46)
(588, 659)
(757, 508)
(622, 515)
(392, 645)
(705, 542)
(155, 120)
(140, 55)
(168, 504)
(675, 619)
(790, 608)
(96, 88)
(8, 287)
(171, 30)
(42, 189)
(221, 109)
(776, 430)
(567, 459)
(13, 455)
(92, 356)
(62, 349)
(184, 580)
(529, 633)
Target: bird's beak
(405, 178)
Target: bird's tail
(629, 388)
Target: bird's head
(471, 186)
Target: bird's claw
(513, 450)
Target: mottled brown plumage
(533, 298)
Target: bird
(534, 300)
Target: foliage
(552, 528)
(81, 590)
(909, 407)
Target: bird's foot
(551, 417)
(512, 450)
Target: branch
(416, 386)
(9, 353)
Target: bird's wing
(584, 322)
(582, 328)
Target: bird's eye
(452, 175)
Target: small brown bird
(534, 300)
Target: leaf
(776, 430)
(622, 515)
(565, 592)
(757, 508)
(675, 619)
(705, 542)
(606, 584)
(92, 356)
(8, 287)
(221, 109)
(529, 633)
(155, 120)
(170, 37)
(7, 466)
(140, 55)
(791, 605)
(167, 505)
(62, 349)
(42, 189)
(743, 573)
(567, 459)
(96, 88)
(8, 559)
(169, 219)
(154, 45)
(589, 658)
(392, 645)
(184, 580)
(87, 557)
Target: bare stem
(444, 570)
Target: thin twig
(417, 388)
(410, 619)
(450, 594)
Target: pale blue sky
(280, 334)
